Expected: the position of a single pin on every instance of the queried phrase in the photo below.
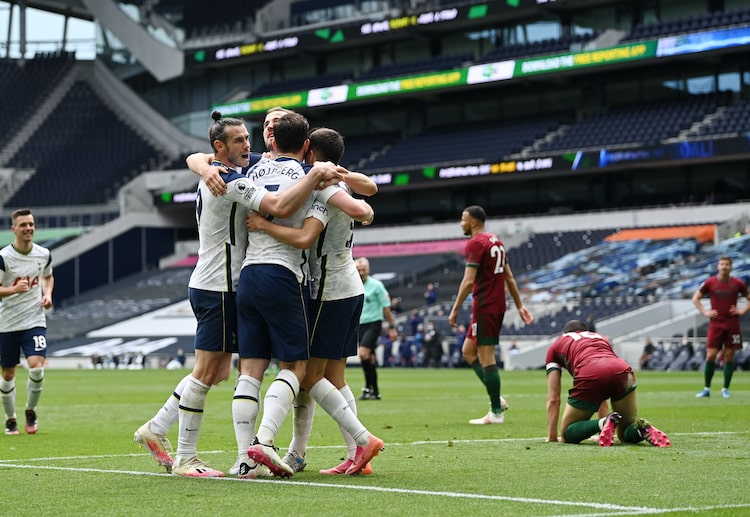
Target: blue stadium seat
(82, 154)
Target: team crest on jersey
(244, 189)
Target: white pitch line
(601, 506)
(610, 509)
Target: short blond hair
(278, 108)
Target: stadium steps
(132, 296)
(39, 116)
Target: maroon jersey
(486, 252)
(574, 351)
(598, 374)
(723, 294)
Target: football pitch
(83, 460)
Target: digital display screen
(319, 38)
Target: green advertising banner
(493, 72)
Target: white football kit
(332, 266)
(23, 311)
(277, 176)
(222, 232)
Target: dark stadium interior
(70, 149)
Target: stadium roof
(74, 8)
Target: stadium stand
(636, 124)
(196, 20)
(131, 296)
(732, 119)
(545, 247)
(79, 131)
(546, 116)
(690, 23)
(545, 46)
(444, 62)
(23, 85)
(306, 83)
(307, 12)
(360, 149)
(578, 275)
(446, 145)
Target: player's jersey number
(498, 253)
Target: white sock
(277, 403)
(8, 393)
(34, 386)
(304, 411)
(167, 415)
(351, 445)
(192, 402)
(331, 400)
(245, 407)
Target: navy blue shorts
(216, 313)
(32, 341)
(272, 314)
(335, 327)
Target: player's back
(487, 253)
(332, 265)
(576, 350)
(277, 176)
(222, 237)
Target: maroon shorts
(485, 328)
(606, 378)
(726, 334)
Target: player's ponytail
(216, 131)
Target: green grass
(83, 461)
